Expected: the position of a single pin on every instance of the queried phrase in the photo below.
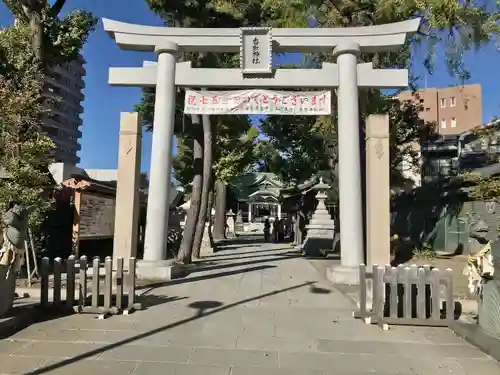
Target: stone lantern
(231, 228)
(206, 244)
(321, 227)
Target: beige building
(453, 109)
(65, 86)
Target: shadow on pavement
(317, 290)
(201, 307)
(202, 268)
(209, 261)
(235, 254)
(229, 257)
(326, 256)
(152, 286)
(244, 240)
(210, 306)
(21, 317)
(150, 300)
(231, 246)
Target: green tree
(234, 155)
(483, 185)
(54, 39)
(295, 146)
(457, 26)
(24, 147)
(39, 40)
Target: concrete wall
(443, 223)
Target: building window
(453, 102)
(443, 123)
(443, 102)
(453, 122)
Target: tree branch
(57, 7)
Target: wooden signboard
(97, 216)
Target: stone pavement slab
(246, 310)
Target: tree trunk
(207, 185)
(37, 36)
(186, 249)
(220, 210)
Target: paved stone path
(253, 310)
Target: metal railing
(106, 297)
(406, 296)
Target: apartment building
(64, 86)
(454, 110)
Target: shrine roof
(255, 184)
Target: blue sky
(103, 103)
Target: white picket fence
(110, 293)
(406, 296)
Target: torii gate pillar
(350, 193)
(161, 156)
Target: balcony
(78, 121)
(66, 144)
(51, 94)
(76, 107)
(70, 116)
(51, 123)
(66, 158)
(68, 86)
(71, 94)
(69, 130)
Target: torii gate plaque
(345, 44)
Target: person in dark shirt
(267, 229)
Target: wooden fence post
(57, 281)
(44, 286)
(119, 283)
(96, 263)
(108, 282)
(70, 281)
(83, 281)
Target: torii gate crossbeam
(379, 38)
(325, 78)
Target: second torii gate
(345, 43)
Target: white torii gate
(344, 43)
